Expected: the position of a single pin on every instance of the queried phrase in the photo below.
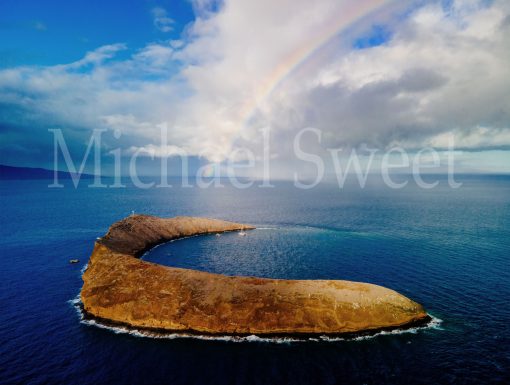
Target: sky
(222, 77)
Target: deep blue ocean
(448, 249)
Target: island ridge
(122, 289)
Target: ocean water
(447, 249)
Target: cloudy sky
(217, 75)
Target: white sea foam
(76, 303)
(82, 271)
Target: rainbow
(337, 23)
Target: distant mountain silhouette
(10, 173)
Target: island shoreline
(161, 332)
(121, 289)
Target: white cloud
(443, 72)
(96, 57)
(157, 151)
(476, 138)
(161, 20)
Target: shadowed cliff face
(120, 288)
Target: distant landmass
(13, 173)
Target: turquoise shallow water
(447, 249)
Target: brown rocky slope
(120, 288)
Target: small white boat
(218, 234)
(242, 233)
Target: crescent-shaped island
(119, 288)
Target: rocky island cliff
(120, 288)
